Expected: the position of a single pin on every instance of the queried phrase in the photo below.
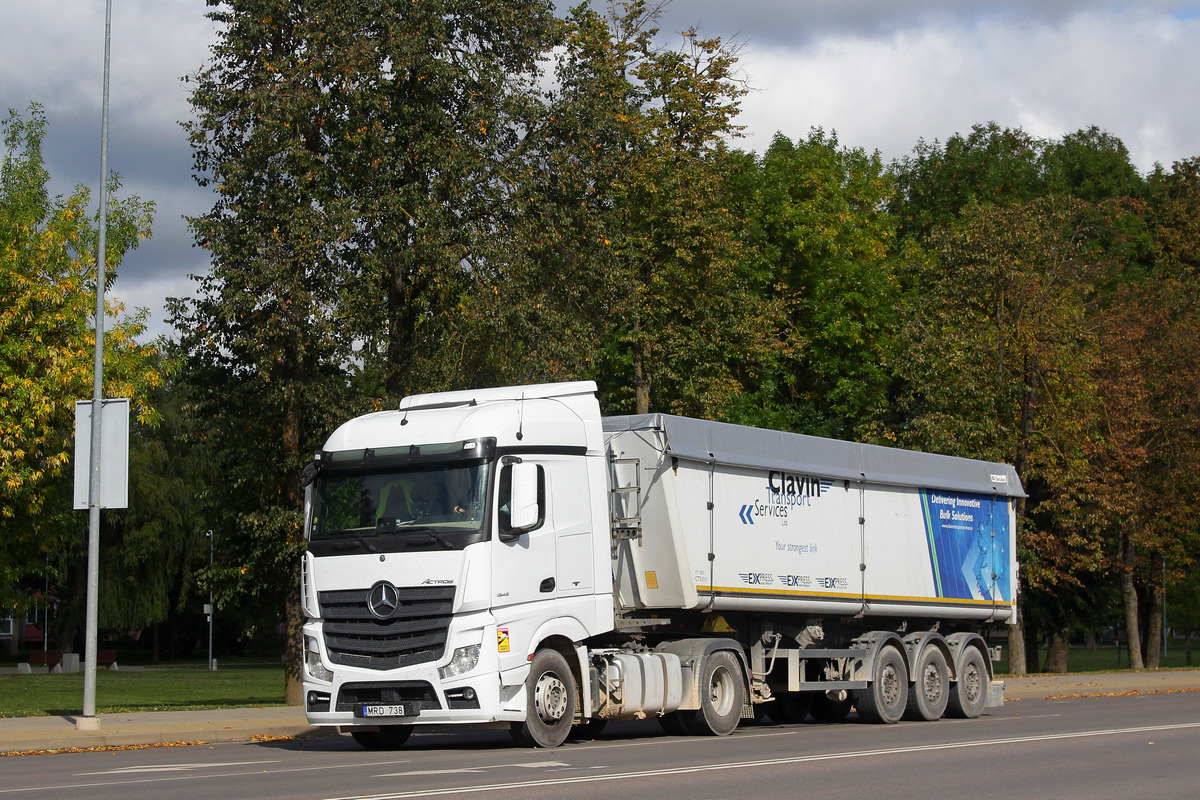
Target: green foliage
(47, 282)
(622, 261)
(999, 357)
(988, 166)
(815, 213)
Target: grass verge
(149, 690)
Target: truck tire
(550, 702)
(968, 694)
(930, 690)
(388, 737)
(722, 695)
(886, 696)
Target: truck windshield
(426, 502)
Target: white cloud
(1129, 73)
(151, 295)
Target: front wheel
(549, 704)
(722, 695)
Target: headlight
(312, 661)
(463, 661)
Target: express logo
(757, 578)
(383, 599)
(796, 581)
(833, 583)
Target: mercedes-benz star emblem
(383, 599)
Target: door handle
(547, 585)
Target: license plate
(374, 711)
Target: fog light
(463, 661)
(462, 697)
(318, 701)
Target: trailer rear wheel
(968, 695)
(722, 695)
(550, 702)
(930, 690)
(388, 737)
(886, 697)
(827, 709)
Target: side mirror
(309, 473)
(524, 511)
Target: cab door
(524, 565)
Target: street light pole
(89, 721)
(211, 607)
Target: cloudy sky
(881, 73)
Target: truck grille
(415, 633)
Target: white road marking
(655, 773)
(173, 767)
(166, 778)
(484, 768)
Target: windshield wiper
(430, 532)
(359, 538)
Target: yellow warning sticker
(502, 639)
(651, 579)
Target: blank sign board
(114, 453)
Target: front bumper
(419, 690)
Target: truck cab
(447, 541)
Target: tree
(1091, 164)
(626, 238)
(997, 358)
(813, 211)
(989, 166)
(355, 149)
(47, 286)
(1138, 489)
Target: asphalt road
(1126, 747)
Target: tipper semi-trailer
(509, 556)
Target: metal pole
(93, 574)
(211, 608)
(46, 611)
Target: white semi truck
(510, 556)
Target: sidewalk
(26, 734)
(1092, 684)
